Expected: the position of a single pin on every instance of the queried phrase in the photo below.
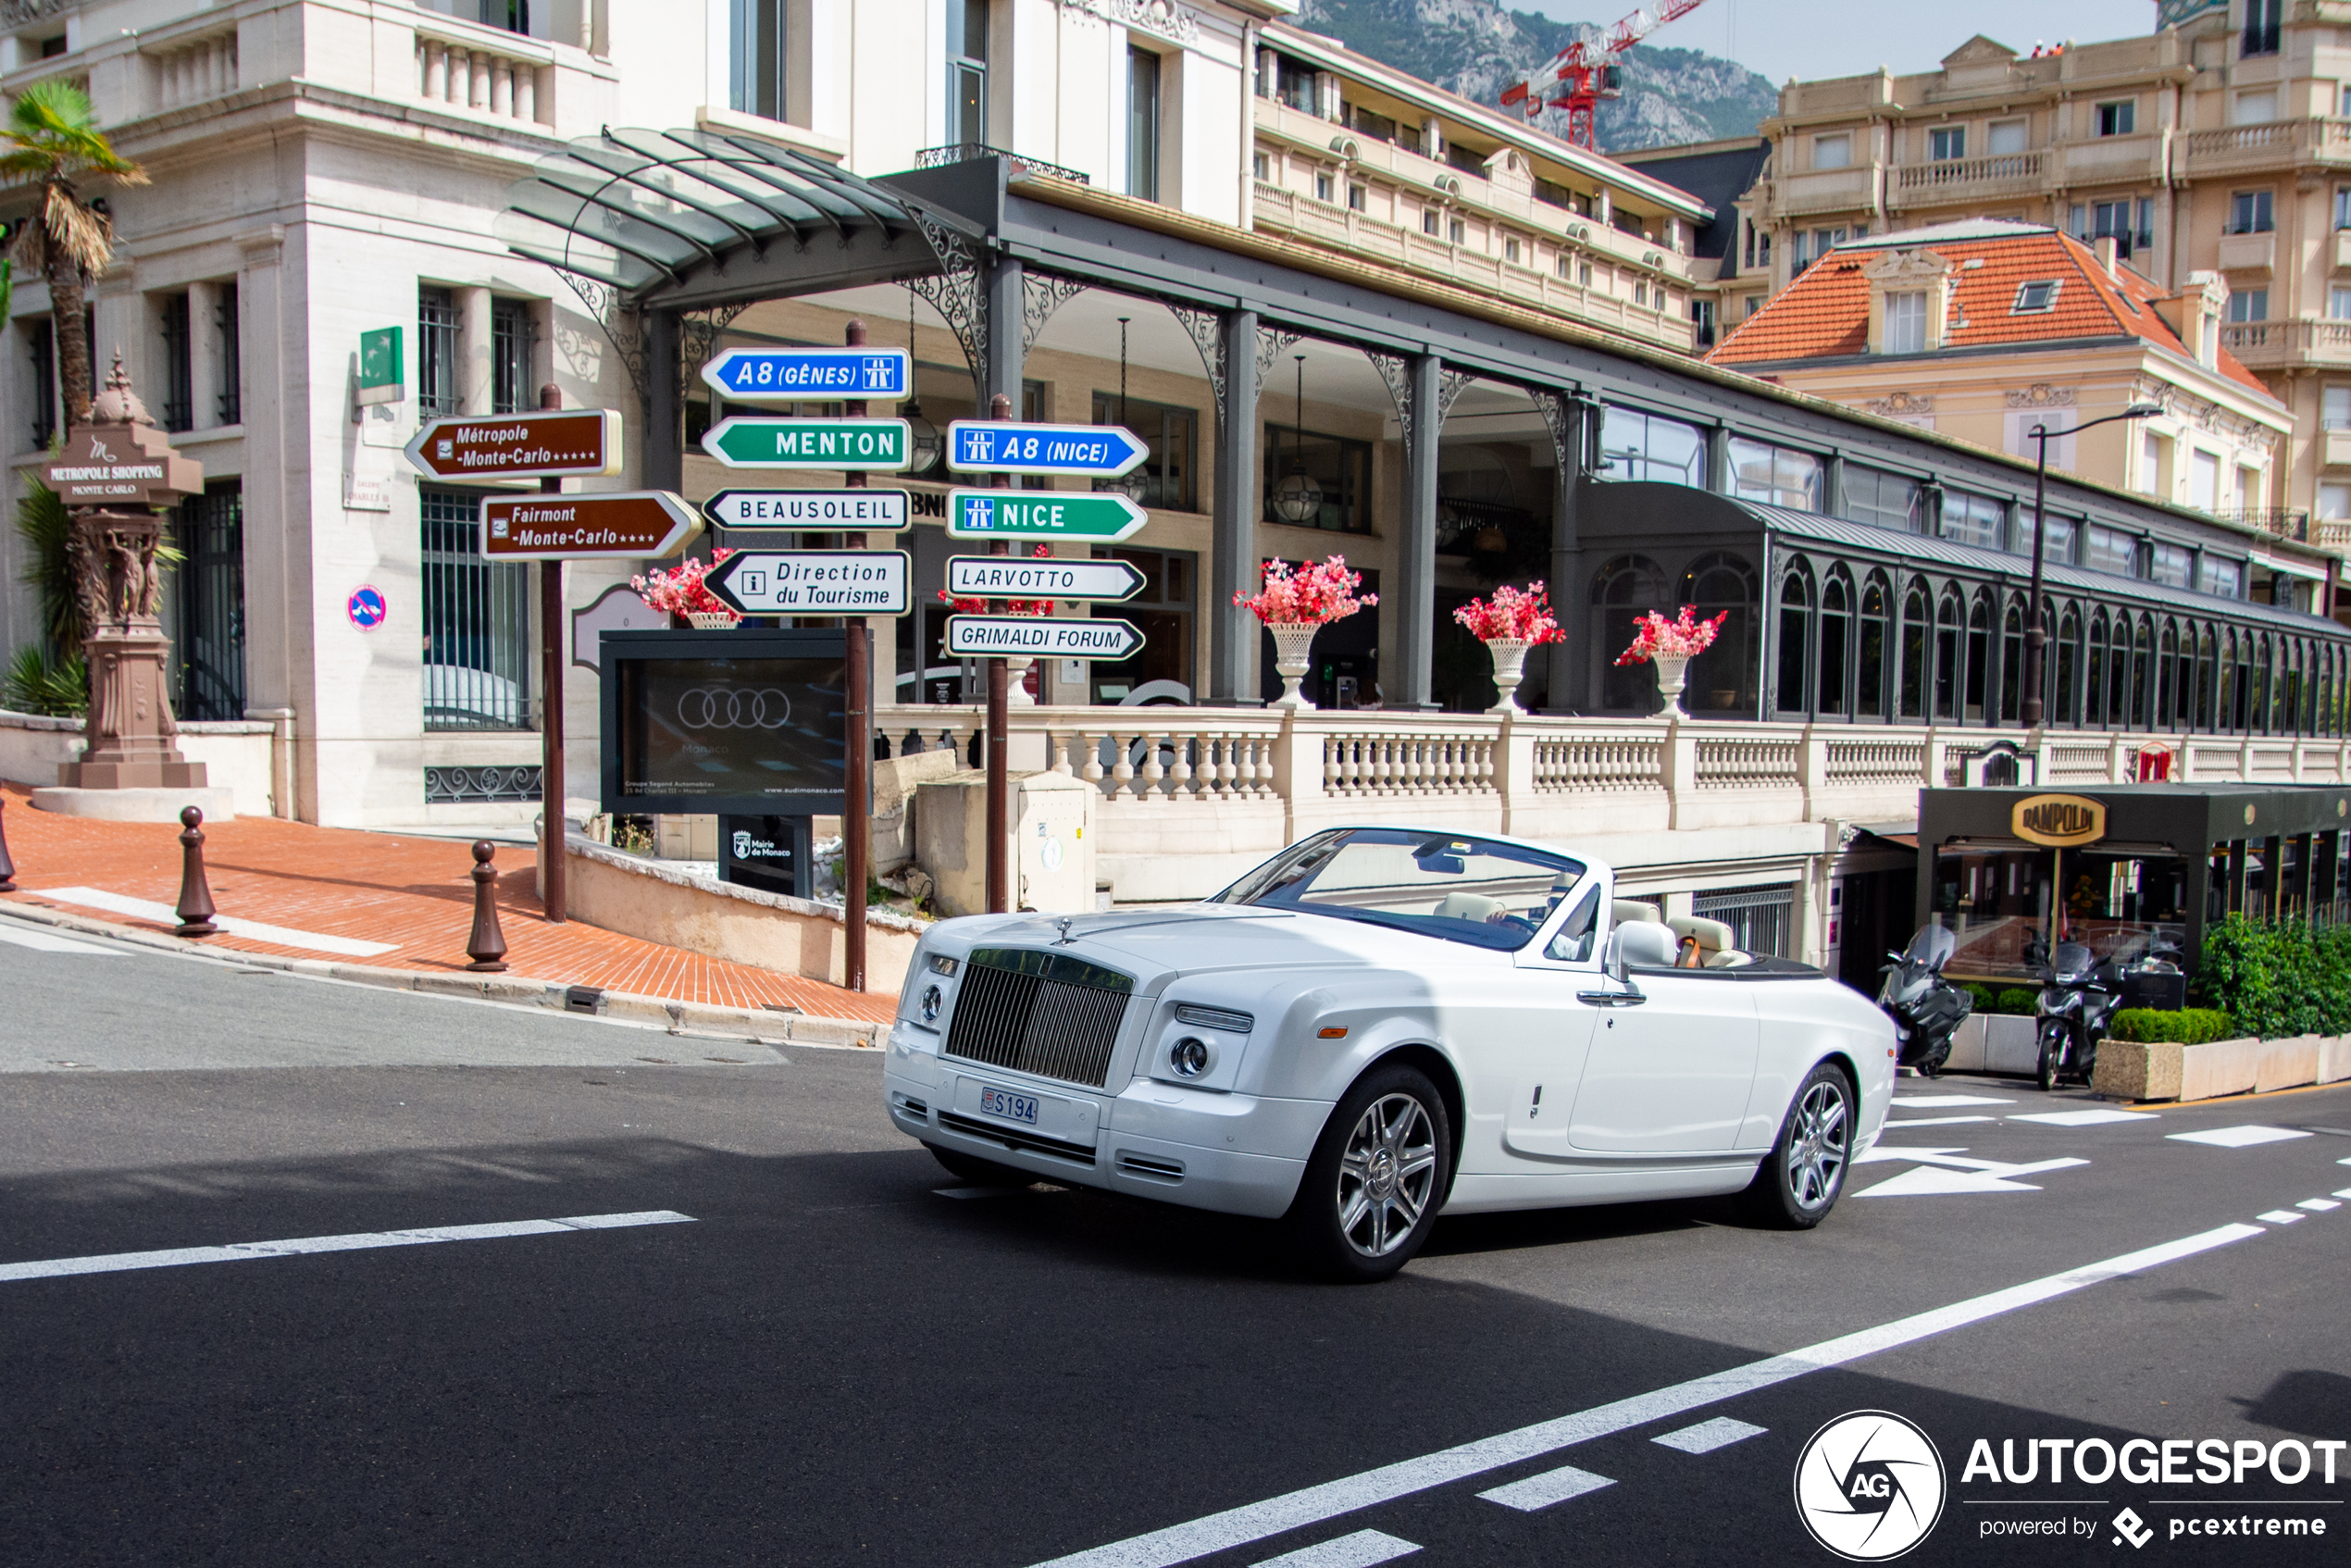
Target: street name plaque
(814, 583)
(624, 526)
(549, 443)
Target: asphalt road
(844, 1357)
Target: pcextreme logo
(1870, 1486)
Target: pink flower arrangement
(1317, 594)
(1512, 615)
(683, 592)
(1685, 637)
(1012, 606)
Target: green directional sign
(750, 441)
(1043, 514)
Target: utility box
(1053, 842)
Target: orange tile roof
(1826, 312)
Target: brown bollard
(195, 909)
(7, 867)
(487, 946)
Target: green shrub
(2277, 977)
(2189, 1026)
(1980, 994)
(2015, 1002)
(35, 683)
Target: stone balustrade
(499, 81)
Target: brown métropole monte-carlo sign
(126, 466)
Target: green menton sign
(750, 441)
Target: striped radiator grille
(1040, 1013)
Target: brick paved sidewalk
(414, 893)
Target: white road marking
(2240, 1138)
(253, 930)
(2085, 1118)
(1963, 1174)
(43, 941)
(1944, 1101)
(1935, 1122)
(1360, 1549)
(1552, 1485)
(1312, 1505)
(2318, 1205)
(2280, 1216)
(246, 1251)
(1881, 1153)
(1707, 1436)
(2344, 1192)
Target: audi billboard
(741, 723)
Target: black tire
(978, 1172)
(1798, 1182)
(2052, 1062)
(1385, 1155)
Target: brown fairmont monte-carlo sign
(2058, 821)
(121, 466)
(626, 524)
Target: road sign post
(1022, 577)
(1100, 516)
(748, 375)
(814, 583)
(873, 511)
(755, 441)
(977, 446)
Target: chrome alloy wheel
(1818, 1146)
(1385, 1175)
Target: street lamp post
(2036, 636)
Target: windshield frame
(1303, 858)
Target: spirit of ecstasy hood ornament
(1065, 940)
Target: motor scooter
(1926, 1008)
(2072, 1012)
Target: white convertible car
(1380, 1024)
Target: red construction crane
(1579, 76)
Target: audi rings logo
(723, 707)
(1869, 1485)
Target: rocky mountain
(1476, 48)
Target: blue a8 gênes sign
(751, 374)
(997, 446)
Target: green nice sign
(750, 441)
(1102, 515)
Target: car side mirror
(1612, 961)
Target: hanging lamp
(1136, 482)
(1298, 499)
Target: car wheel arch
(1438, 1069)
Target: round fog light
(1188, 1056)
(931, 1000)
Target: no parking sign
(366, 608)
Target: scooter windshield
(1933, 946)
(2073, 960)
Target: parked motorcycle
(2072, 1012)
(1926, 1008)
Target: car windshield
(1462, 888)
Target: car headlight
(933, 999)
(1191, 1057)
(942, 964)
(1215, 1018)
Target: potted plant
(1015, 667)
(683, 592)
(1294, 605)
(1670, 645)
(1509, 624)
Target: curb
(759, 1026)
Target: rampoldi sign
(2060, 821)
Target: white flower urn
(1293, 646)
(1670, 682)
(1016, 683)
(1510, 667)
(710, 620)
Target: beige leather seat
(1625, 912)
(1469, 906)
(1712, 938)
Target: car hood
(1202, 937)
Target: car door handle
(1611, 999)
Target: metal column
(1416, 552)
(1570, 604)
(1232, 631)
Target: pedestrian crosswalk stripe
(246, 1252)
(1707, 1436)
(1361, 1549)
(1541, 1491)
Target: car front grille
(1042, 1013)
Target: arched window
(2289, 700)
(2208, 674)
(1948, 615)
(1979, 654)
(2230, 691)
(2093, 689)
(2067, 707)
(2142, 675)
(1918, 629)
(1832, 659)
(1796, 624)
(2012, 661)
(1623, 591)
(2166, 682)
(2325, 722)
(2264, 667)
(1721, 680)
(2118, 674)
(1877, 638)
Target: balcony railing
(482, 70)
(2282, 521)
(1952, 177)
(969, 151)
(2315, 138)
(2267, 344)
(1201, 793)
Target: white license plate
(1011, 1107)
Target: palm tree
(51, 139)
